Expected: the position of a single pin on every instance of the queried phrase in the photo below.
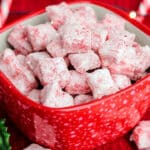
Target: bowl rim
(34, 104)
(31, 103)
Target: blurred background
(137, 9)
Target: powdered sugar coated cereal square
(113, 22)
(35, 147)
(85, 15)
(51, 69)
(85, 61)
(33, 59)
(99, 36)
(55, 48)
(76, 38)
(18, 73)
(143, 60)
(101, 83)
(83, 98)
(8, 62)
(21, 59)
(18, 39)
(41, 35)
(121, 81)
(77, 84)
(53, 96)
(58, 14)
(141, 135)
(118, 57)
(34, 95)
(122, 36)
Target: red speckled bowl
(81, 127)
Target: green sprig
(4, 136)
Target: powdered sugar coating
(101, 83)
(76, 37)
(99, 36)
(121, 81)
(21, 59)
(52, 69)
(18, 39)
(34, 58)
(122, 37)
(141, 135)
(78, 83)
(118, 57)
(17, 72)
(41, 35)
(53, 96)
(113, 22)
(85, 15)
(55, 48)
(143, 60)
(59, 14)
(35, 147)
(83, 98)
(128, 60)
(85, 61)
(34, 95)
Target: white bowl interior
(141, 37)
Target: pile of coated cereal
(73, 58)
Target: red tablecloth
(24, 7)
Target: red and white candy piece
(85, 61)
(53, 96)
(34, 95)
(77, 84)
(141, 135)
(142, 61)
(76, 38)
(52, 69)
(58, 14)
(41, 35)
(121, 81)
(113, 22)
(18, 73)
(85, 15)
(118, 57)
(122, 37)
(55, 48)
(101, 83)
(21, 59)
(33, 59)
(18, 39)
(83, 98)
(35, 147)
(99, 36)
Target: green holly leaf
(4, 136)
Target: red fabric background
(32, 5)
(23, 7)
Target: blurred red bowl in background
(24, 7)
